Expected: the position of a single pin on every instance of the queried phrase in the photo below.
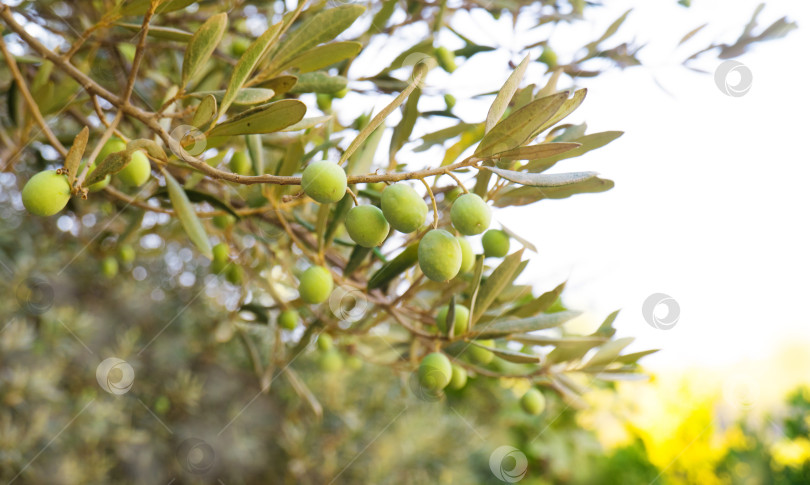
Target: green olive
(459, 377)
(435, 371)
(46, 193)
(470, 215)
(467, 256)
(137, 171)
(439, 255)
(496, 243)
(482, 356)
(315, 284)
(533, 402)
(404, 209)
(324, 181)
(289, 319)
(367, 226)
(462, 316)
(240, 163)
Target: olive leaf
(540, 304)
(244, 97)
(523, 325)
(202, 45)
(308, 123)
(504, 274)
(394, 267)
(280, 84)
(587, 142)
(542, 179)
(139, 7)
(184, 211)
(405, 126)
(532, 152)
(111, 165)
(363, 158)
(263, 119)
(504, 96)
(74, 155)
(510, 355)
(319, 82)
(247, 64)
(149, 146)
(205, 112)
(158, 32)
(566, 109)
(322, 56)
(608, 353)
(359, 254)
(527, 195)
(256, 151)
(519, 126)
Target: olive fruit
(367, 226)
(109, 267)
(446, 58)
(439, 255)
(331, 361)
(288, 319)
(459, 377)
(98, 185)
(462, 316)
(238, 46)
(470, 215)
(126, 254)
(483, 356)
(46, 193)
(496, 243)
(467, 256)
(548, 57)
(223, 221)
(315, 284)
(234, 275)
(221, 254)
(404, 209)
(435, 371)
(324, 102)
(240, 163)
(449, 101)
(113, 145)
(325, 342)
(324, 181)
(533, 402)
(137, 171)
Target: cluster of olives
(48, 192)
(441, 255)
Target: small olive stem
(433, 201)
(139, 51)
(29, 100)
(354, 197)
(453, 176)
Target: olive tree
(182, 139)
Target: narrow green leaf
(517, 237)
(542, 179)
(187, 215)
(202, 45)
(587, 142)
(149, 146)
(139, 7)
(206, 111)
(197, 196)
(280, 84)
(539, 322)
(609, 352)
(634, 357)
(394, 267)
(256, 151)
(339, 214)
(363, 158)
(158, 32)
(531, 339)
(510, 355)
(532, 152)
(244, 97)
(502, 276)
(321, 27)
(606, 329)
(359, 254)
(247, 64)
(404, 129)
(566, 109)
(504, 96)
(267, 118)
(111, 165)
(440, 136)
(518, 127)
(319, 82)
(527, 195)
(74, 155)
(322, 56)
(541, 304)
(308, 123)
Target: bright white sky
(709, 188)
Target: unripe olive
(109, 267)
(46, 193)
(496, 243)
(331, 361)
(342, 93)
(453, 194)
(238, 46)
(223, 221)
(137, 171)
(439, 255)
(449, 101)
(325, 342)
(533, 402)
(315, 284)
(367, 226)
(470, 215)
(447, 60)
(240, 163)
(459, 377)
(482, 356)
(235, 274)
(113, 145)
(126, 254)
(324, 181)
(324, 102)
(288, 319)
(462, 316)
(221, 255)
(435, 371)
(467, 256)
(404, 209)
(354, 362)
(548, 57)
(98, 185)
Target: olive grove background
(219, 393)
